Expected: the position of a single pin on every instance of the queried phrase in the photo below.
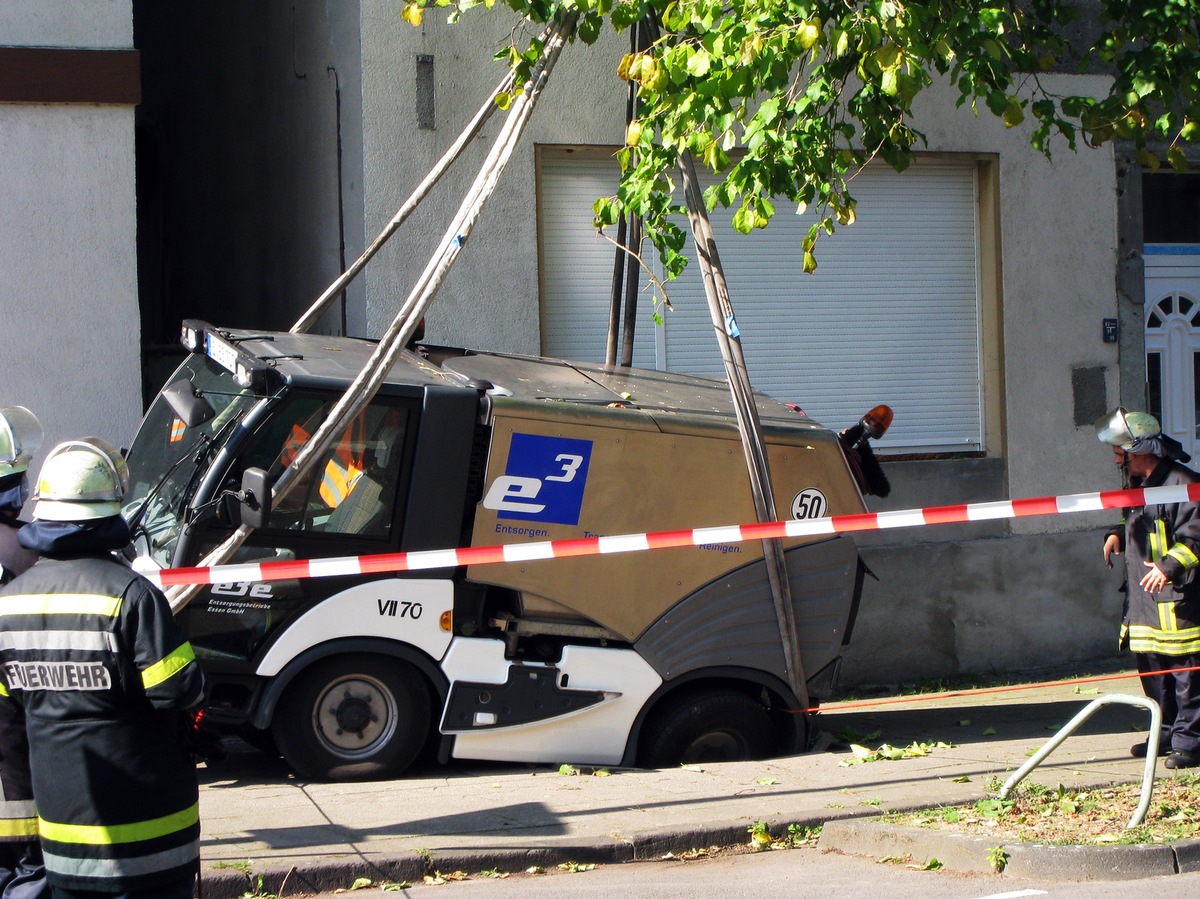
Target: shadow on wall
(991, 606)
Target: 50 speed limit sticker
(809, 503)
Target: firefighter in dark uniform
(1161, 544)
(90, 650)
(22, 874)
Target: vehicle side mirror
(255, 498)
(191, 407)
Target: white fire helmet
(20, 437)
(81, 480)
(1122, 428)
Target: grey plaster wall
(69, 348)
(998, 604)
(490, 297)
(976, 598)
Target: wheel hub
(354, 714)
(715, 746)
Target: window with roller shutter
(893, 314)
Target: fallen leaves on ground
(1057, 815)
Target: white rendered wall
(96, 24)
(1057, 228)
(69, 348)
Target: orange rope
(981, 691)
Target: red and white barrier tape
(623, 543)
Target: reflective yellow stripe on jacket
(61, 604)
(164, 669)
(1177, 643)
(107, 835)
(16, 828)
(1158, 540)
(1184, 556)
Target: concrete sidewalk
(257, 817)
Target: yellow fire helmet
(20, 437)
(1122, 428)
(81, 480)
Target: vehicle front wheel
(707, 726)
(352, 718)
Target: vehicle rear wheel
(708, 726)
(353, 717)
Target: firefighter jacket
(91, 652)
(14, 558)
(18, 817)
(1168, 535)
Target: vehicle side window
(352, 489)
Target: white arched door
(1173, 340)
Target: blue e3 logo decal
(543, 481)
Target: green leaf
(841, 43)
(1014, 113)
(997, 102)
(890, 81)
(589, 27)
(807, 34)
(412, 14)
(1148, 160)
(604, 212)
(743, 223)
(698, 63)
(888, 56)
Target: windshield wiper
(193, 451)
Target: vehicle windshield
(167, 459)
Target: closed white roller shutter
(891, 315)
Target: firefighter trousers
(1178, 695)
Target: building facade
(976, 294)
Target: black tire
(353, 718)
(707, 726)
(262, 740)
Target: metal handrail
(1139, 816)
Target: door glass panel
(352, 490)
(1154, 383)
(1195, 422)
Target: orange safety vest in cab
(345, 467)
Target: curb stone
(325, 874)
(853, 836)
(968, 852)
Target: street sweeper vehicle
(650, 658)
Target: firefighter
(1161, 543)
(22, 874)
(90, 650)
(20, 438)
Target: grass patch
(1034, 813)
